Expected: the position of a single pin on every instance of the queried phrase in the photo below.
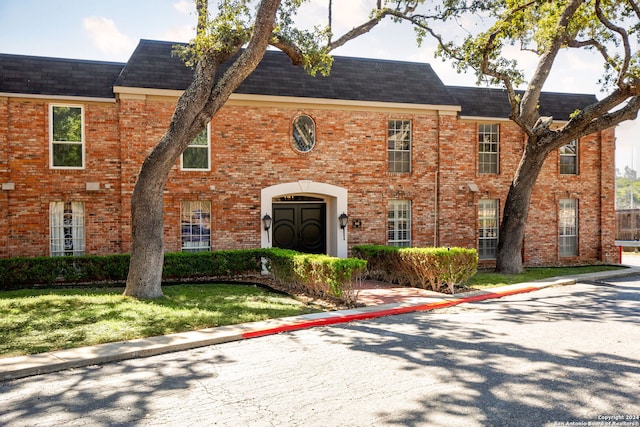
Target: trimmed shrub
(316, 275)
(426, 268)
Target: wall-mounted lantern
(266, 222)
(343, 218)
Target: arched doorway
(300, 223)
(305, 213)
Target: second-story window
(197, 154)
(569, 158)
(488, 148)
(399, 145)
(66, 136)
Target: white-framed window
(66, 136)
(66, 225)
(569, 158)
(488, 225)
(399, 223)
(488, 148)
(197, 156)
(568, 224)
(195, 225)
(399, 145)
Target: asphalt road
(560, 356)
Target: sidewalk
(379, 300)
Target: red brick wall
(36, 184)
(251, 149)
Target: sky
(109, 30)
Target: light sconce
(343, 218)
(266, 222)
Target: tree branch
(529, 103)
(622, 70)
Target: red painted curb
(332, 320)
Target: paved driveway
(560, 355)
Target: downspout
(436, 189)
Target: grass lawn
(36, 321)
(483, 280)
(40, 320)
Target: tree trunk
(197, 105)
(147, 233)
(516, 209)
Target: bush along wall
(315, 275)
(427, 268)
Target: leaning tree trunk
(197, 105)
(516, 209)
(147, 233)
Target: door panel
(300, 226)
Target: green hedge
(316, 275)
(426, 268)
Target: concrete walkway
(379, 301)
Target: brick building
(410, 161)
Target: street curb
(25, 366)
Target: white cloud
(185, 6)
(182, 33)
(107, 37)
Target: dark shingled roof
(153, 66)
(54, 76)
(487, 102)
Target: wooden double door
(300, 226)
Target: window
(487, 228)
(399, 146)
(304, 133)
(568, 227)
(488, 141)
(569, 158)
(196, 156)
(399, 223)
(195, 226)
(66, 224)
(66, 134)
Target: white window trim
(410, 150)
(395, 203)
(57, 229)
(562, 228)
(208, 168)
(497, 152)
(191, 247)
(497, 228)
(82, 142)
(576, 155)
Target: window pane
(67, 124)
(399, 223)
(488, 224)
(195, 227)
(568, 224)
(196, 155)
(304, 133)
(195, 158)
(569, 158)
(66, 224)
(488, 145)
(201, 139)
(69, 155)
(399, 145)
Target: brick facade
(251, 150)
